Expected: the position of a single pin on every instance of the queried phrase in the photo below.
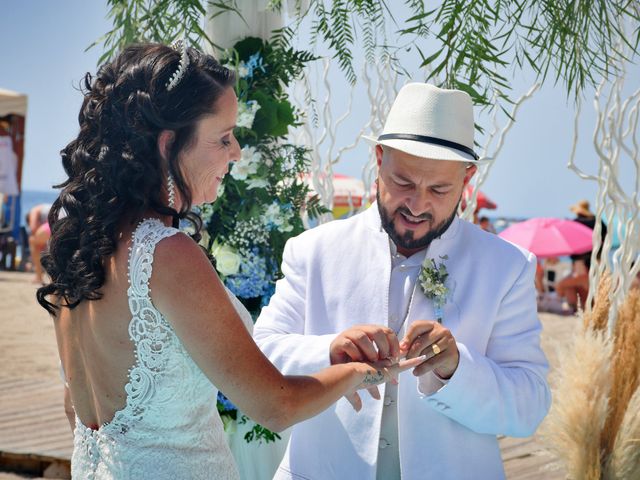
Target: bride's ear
(165, 139)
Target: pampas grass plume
(581, 388)
(621, 435)
(625, 461)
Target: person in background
(486, 225)
(39, 234)
(575, 288)
(587, 218)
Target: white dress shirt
(402, 287)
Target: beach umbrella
(482, 201)
(347, 189)
(348, 193)
(550, 237)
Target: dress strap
(145, 238)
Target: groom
(405, 278)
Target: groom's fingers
(423, 344)
(352, 351)
(367, 343)
(416, 330)
(394, 346)
(386, 342)
(363, 343)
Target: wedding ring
(435, 348)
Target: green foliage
(481, 43)
(264, 70)
(162, 21)
(258, 433)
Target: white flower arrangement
(433, 279)
(248, 164)
(247, 113)
(227, 259)
(278, 217)
(257, 183)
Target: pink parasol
(550, 237)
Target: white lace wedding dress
(169, 427)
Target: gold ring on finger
(435, 348)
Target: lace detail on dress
(169, 426)
(148, 330)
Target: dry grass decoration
(593, 426)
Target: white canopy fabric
(12, 103)
(225, 28)
(8, 167)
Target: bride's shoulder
(184, 284)
(178, 251)
(179, 262)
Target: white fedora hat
(430, 122)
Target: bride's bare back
(94, 344)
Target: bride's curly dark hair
(115, 169)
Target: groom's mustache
(425, 216)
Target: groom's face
(417, 197)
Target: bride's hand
(378, 373)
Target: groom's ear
(379, 155)
(165, 139)
(469, 172)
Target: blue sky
(44, 56)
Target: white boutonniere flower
(433, 281)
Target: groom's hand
(420, 339)
(365, 343)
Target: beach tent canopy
(13, 110)
(12, 103)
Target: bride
(146, 331)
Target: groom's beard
(407, 240)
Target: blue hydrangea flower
(254, 62)
(254, 277)
(271, 289)
(225, 402)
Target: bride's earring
(171, 191)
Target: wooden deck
(32, 419)
(34, 432)
(33, 427)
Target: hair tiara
(181, 47)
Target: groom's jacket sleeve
(503, 390)
(280, 331)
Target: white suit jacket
(336, 276)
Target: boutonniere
(433, 279)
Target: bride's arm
(187, 290)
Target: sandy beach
(28, 346)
